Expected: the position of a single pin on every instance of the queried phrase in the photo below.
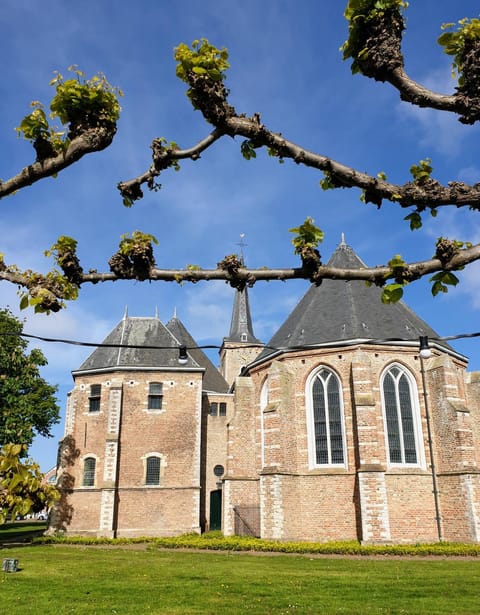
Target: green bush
(215, 541)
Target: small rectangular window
(152, 476)
(223, 409)
(94, 398)
(214, 408)
(155, 396)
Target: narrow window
(152, 474)
(327, 419)
(155, 396)
(89, 472)
(94, 398)
(401, 417)
(222, 409)
(214, 408)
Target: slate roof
(213, 381)
(241, 328)
(142, 332)
(339, 313)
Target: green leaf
(392, 293)
(415, 220)
(24, 302)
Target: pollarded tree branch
(423, 194)
(164, 157)
(92, 140)
(49, 292)
(375, 46)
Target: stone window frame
(155, 396)
(161, 471)
(416, 420)
(312, 448)
(218, 408)
(92, 471)
(95, 397)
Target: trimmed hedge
(215, 541)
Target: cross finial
(242, 244)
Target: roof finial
(342, 242)
(125, 314)
(242, 244)
(175, 312)
(156, 311)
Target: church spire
(241, 328)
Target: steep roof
(212, 381)
(340, 313)
(129, 346)
(139, 334)
(241, 328)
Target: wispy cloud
(438, 130)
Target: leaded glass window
(152, 474)
(89, 472)
(94, 398)
(327, 419)
(155, 396)
(401, 416)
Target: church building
(337, 429)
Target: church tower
(241, 346)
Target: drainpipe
(426, 353)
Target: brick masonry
(264, 446)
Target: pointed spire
(175, 312)
(241, 328)
(156, 311)
(125, 314)
(342, 242)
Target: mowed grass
(92, 580)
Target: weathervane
(242, 244)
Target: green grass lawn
(92, 580)
(21, 531)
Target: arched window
(152, 470)
(327, 436)
(89, 464)
(402, 417)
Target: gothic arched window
(402, 417)
(327, 435)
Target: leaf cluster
(358, 13)
(392, 293)
(421, 171)
(454, 40)
(201, 58)
(27, 402)
(22, 490)
(130, 243)
(79, 103)
(308, 236)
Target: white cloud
(438, 130)
(470, 284)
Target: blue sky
(286, 65)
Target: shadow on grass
(20, 533)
